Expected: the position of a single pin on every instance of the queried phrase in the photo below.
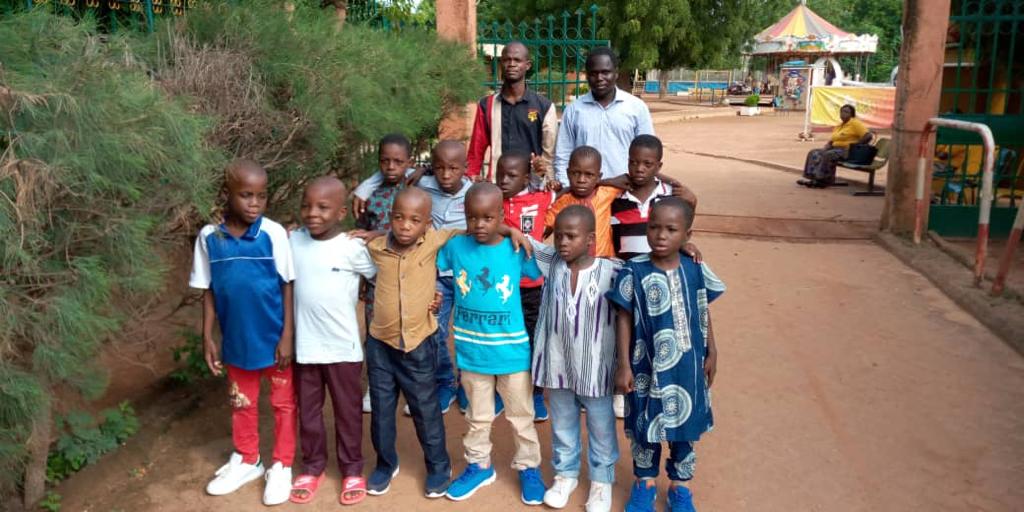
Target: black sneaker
(437, 485)
(380, 481)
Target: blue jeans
(602, 440)
(444, 373)
(389, 372)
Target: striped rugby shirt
(629, 221)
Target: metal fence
(983, 81)
(112, 14)
(558, 47)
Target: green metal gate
(558, 48)
(983, 81)
(112, 14)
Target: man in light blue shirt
(606, 118)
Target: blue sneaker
(462, 399)
(532, 486)
(471, 479)
(445, 395)
(641, 497)
(680, 499)
(540, 411)
(380, 481)
(499, 405)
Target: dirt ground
(847, 382)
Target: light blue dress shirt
(609, 129)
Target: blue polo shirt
(245, 275)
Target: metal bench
(881, 158)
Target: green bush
(190, 357)
(97, 169)
(83, 439)
(322, 97)
(111, 150)
(752, 101)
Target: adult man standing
(514, 118)
(606, 118)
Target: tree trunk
(341, 12)
(38, 452)
(662, 83)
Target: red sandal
(306, 484)
(353, 490)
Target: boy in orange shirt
(585, 189)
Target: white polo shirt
(326, 295)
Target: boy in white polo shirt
(328, 265)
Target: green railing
(981, 83)
(558, 47)
(112, 14)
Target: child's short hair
(483, 188)
(677, 204)
(648, 142)
(578, 211)
(397, 139)
(515, 154)
(585, 152)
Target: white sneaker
(600, 499)
(233, 475)
(558, 495)
(279, 485)
(366, 402)
(619, 406)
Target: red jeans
(244, 393)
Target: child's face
(513, 176)
(644, 165)
(323, 209)
(584, 175)
(449, 164)
(572, 238)
(410, 218)
(393, 161)
(667, 231)
(247, 196)
(484, 215)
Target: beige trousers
(516, 390)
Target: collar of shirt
(619, 98)
(661, 189)
(434, 187)
(250, 234)
(390, 240)
(524, 99)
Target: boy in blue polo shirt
(492, 347)
(244, 266)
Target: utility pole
(918, 88)
(456, 21)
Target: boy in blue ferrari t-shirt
(492, 347)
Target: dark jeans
(342, 381)
(445, 372)
(389, 371)
(531, 299)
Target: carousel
(803, 49)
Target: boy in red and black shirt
(525, 210)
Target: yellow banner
(875, 105)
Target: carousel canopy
(802, 31)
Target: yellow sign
(875, 105)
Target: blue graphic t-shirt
(490, 336)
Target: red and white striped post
(1007, 257)
(985, 201)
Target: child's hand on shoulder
(364, 235)
(690, 249)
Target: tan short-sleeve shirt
(405, 288)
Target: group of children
(617, 301)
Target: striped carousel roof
(801, 23)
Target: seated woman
(820, 166)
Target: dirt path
(847, 383)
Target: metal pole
(985, 205)
(1007, 257)
(807, 113)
